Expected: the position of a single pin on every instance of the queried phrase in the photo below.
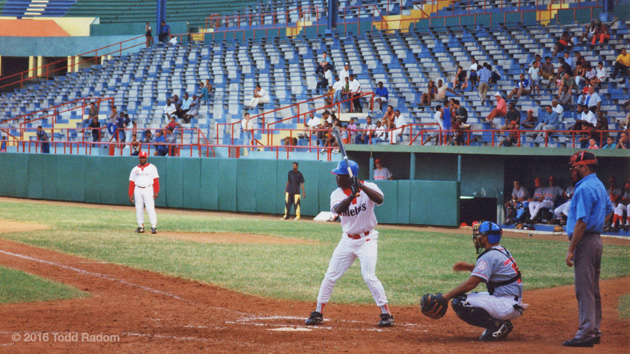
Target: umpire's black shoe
(387, 320)
(597, 340)
(499, 333)
(315, 319)
(575, 342)
(140, 230)
(154, 230)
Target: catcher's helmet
(489, 229)
(342, 168)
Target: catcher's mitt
(433, 305)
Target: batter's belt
(359, 235)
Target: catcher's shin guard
(475, 316)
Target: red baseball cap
(377, 160)
(143, 154)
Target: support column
(40, 63)
(371, 166)
(332, 15)
(70, 64)
(160, 15)
(32, 62)
(412, 166)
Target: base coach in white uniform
(144, 187)
(354, 202)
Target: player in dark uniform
(590, 208)
(292, 192)
(496, 267)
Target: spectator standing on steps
(164, 34)
(292, 195)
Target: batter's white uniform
(359, 240)
(143, 177)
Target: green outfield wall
(235, 185)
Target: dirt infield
(143, 311)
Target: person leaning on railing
(95, 127)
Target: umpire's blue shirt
(590, 204)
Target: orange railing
(90, 57)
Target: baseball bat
(337, 134)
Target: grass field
(410, 262)
(624, 306)
(18, 286)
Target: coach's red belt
(358, 236)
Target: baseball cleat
(387, 320)
(154, 230)
(284, 218)
(297, 218)
(315, 319)
(574, 342)
(140, 230)
(500, 333)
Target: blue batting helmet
(342, 168)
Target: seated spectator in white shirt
(365, 134)
(314, 123)
(557, 108)
(602, 75)
(186, 102)
(398, 128)
(194, 109)
(355, 90)
(169, 109)
(438, 117)
(260, 96)
(594, 101)
(381, 173)
(381, 133)
(345, 72)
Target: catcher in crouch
(496, 267)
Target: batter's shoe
(140, 230)
(387, 320)
(154, 230)
(315, 319)
(626, 227)
(496, 334)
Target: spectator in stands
(563, 43)
(438, 117)
(602, 33)
(147, 137)
(621, 64)
(494, 76)
(148, 35)
(365, 135)
(589, 31)
(164, 34)
(95, 127)
(460, 82)
(564, 68)
(590, 75)
(534, 77)
(484, 82)
(380, 95)
(322, 81)
(556, 107)
(548, 121)
(585, 119)
(398, 127)
(566, 99)
(548, 70)
(193, 111)
(209, 86)
(345, 72)
(352, 130)
(169, 109)
(610, 143)
(160, 149)
(120, 128)
(472, 77)
(593, 101)
(260, 96)
(112, 125)
(134, 145)
(3, 144)
(325, 59)
(338, 89)
(92, 113)
(513, 135)
(522, 88)
(345, 94)
(513, 115)
(389, 114)
(569, 60)
(447, 117)
(172, 124)
(568, 83)
(601, 73)
(381, 173)
(203, 93)
(43, 138)
(623, 142)
(442, 89)
(247, 127)
(185, 107)
(171, 139)
(530, 121)
(500, 110)
(592, 144)
(428, 96)
(514, 206)
(380, 133)
(355, 91)
(461, 115)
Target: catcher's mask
(486, 228)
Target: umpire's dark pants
(587, 261)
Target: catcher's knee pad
(475, 316)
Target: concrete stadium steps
(405, 62)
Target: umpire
(292, 192)
(590, 208)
